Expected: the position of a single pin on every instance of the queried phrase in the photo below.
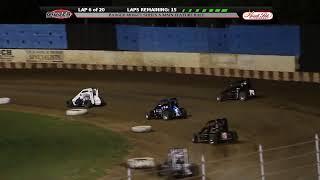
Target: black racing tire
(148, 116)
(234, 136)
(69, 103)
(103, 102)
(213, 139)
(184, 113)
(219, 98)
(163, 170)
(194, 168)
(87, 104)
(178, 175)
(243, 96)
(78, 102)
(195, 138)
(166, 115)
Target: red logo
(259, 15)
(59, 14)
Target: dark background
(94, 33)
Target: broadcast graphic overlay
(246, 13)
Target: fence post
(317, 155)
(261, 162)
(203, 168)
(129, 174)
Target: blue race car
(167, 109)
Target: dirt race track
(284, 113)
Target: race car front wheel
(184, 113)
(195, 139)
(148, 116)
(242, 96)
(69, 104)
(219, 98)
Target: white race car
(86, 98)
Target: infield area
(42, 147)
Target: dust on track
(285, 112)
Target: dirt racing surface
(284, 113)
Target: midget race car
(167, 109)
(238, 90)
(177, 164)
(87, 98)
(215, 132)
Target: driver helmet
(244, 82)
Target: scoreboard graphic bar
(156, 15)
(150, 12)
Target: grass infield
(36, 147)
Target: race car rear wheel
(163, 170)
(87, 104)
(78, 102)
(242, 96)
(213, 139)
(234, 136)
(184, 113)
(166, 115)
(103, 103)
(179, 174)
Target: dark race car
(238, 90)
(215, 132)
(167, 109)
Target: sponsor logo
(6, 54)
(59, 14)
(257, 15)
(44, 56)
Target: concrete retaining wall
(245, 62)
(249, 62)
(158, 59)
(193, 63)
